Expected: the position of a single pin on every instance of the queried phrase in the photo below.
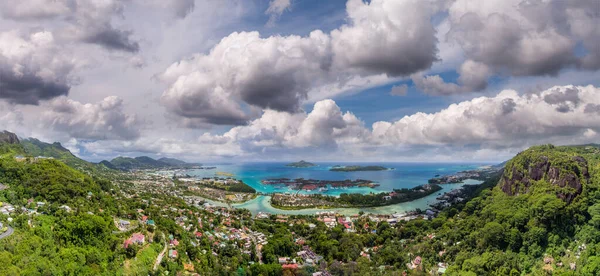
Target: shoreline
(262, 204)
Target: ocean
(400, 175)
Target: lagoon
(402, 175)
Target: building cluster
(136, 238)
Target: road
(7, 233)
(256, 246)
(162, 254)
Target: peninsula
(299, 201)
(301, 164)
(357, 168)
(313, 184)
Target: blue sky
(268, 80)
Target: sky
(281, 80)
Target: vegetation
(354, 199)
(536, 231)
(233, 186)
(145, 162)
(34, 147)
(357, 168)
(301, 164)
(541, 217)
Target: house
(66, 208)
(138, 238)
(174, 242)
(198, 234)
(290, 266)
(173, 253)
(417, 260)
(262, 215)
(150, 222)
(127, 243)
(283, 260)
(124, 223)
(415, 263)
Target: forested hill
(145, 162)
(543, 216)
(32, 147)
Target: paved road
(162, 253)
(7, 233)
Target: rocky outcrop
(564, 172)
(8, 137)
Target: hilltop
(145, 162)
(356, 168)
(549, 168)
(32, 147)
(8, 137)
(301, 164)
(541, 215)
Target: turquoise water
(401, 175)
(262, 204)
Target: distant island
(301, 164)
(357, 168)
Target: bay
(399, 175)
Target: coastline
(262, 203)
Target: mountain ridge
(145, 162)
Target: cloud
(592, 108)
(323, 128)
(33, 68)
(94, 25)
(391, 37)
(245, 71)
(517, 38)
(85, 20)
(484, 128)
(110, 38)
(182, 8)
(473, 77)
(271, 73)
(508, 119)
(34, 9)
(505, 121)
(11, 118)
(276, 8)
(105, 120)
(399, 90)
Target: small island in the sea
(357, 168)
(301, 164)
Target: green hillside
(541, 217)
(145, 162)
(54, 241)
(176, 162)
